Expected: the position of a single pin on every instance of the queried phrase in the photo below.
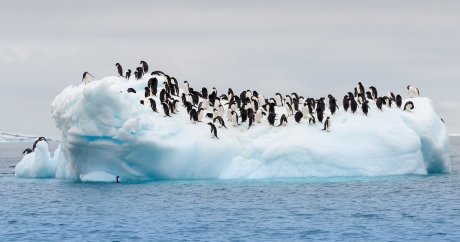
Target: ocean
(391, 208)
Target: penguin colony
(250, 107)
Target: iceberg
(106, 132)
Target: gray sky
(312, 47)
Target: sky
(314, 48)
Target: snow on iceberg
(106, 132)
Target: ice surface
(106, 132)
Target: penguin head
(117, 64)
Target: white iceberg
(106, 132)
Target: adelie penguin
(251, 117)
(409, 106)
(87, 77)
(27, 151)
(413, 91)
(353, 105)
(298, 116)
(365, 107)
(327, 124)
(153, 105)
(128, 74)
(271, 118)
(283, 120)
(346, 103)
(398, 101)
(147, 92)
(373, 92)
(36, 142)
(213, 130)
(379, 103)
(145, 67)
(165, 109)
(119, 69)
(234, 118)
(131, 90)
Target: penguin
(153, 105)
(138, 73)
(346, 103)
(369, 95)
(413, 91)
(365, 107)
(271, 118)
(373, 92)
(220, 120)
(128, 74)
(298, 116)
(204, 93)
(153, 85)
(409, 106)
(243, 114)
(327, 124)
(251, 117)
(119, 69)
(361, 88)
(278, 100)
(289, 111)
(200, 114)
(332, 104)
(87, 77)
(117, 179)
(175, 86)
(38, 140)
(213, 130)
(142, 102)
(185, 88)
(259, 115)
(388, 101)
(234, 118)
(165, 109)
(320, 115)
(131, 90)
(379, 103)
(27, 151)
(283, 120)
(392, 96)
(305, 110)
(353, 105)
(193, 115)
(147, 92)
(145, 67)
(398, 101)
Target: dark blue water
(423, 208)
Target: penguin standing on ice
(327, 124)
(147, 92)
(128, 74)
(379, 103)
(119, 69)
(271, 118)
(259, 115)
(213, 130)
(298, 116)
(409, 106)
(145, 67)
(398, 101)
(365, 107)
(153, 85)
(283, 120)
(234, 118)
(353, 105)
(38, 140)
(87, 77)
(165, 109)
(373, 92)
(346, 103)
(153, 105)
(413, 91)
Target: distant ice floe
(107, 133)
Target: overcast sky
(312, 47)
